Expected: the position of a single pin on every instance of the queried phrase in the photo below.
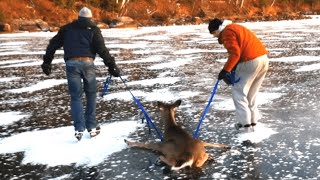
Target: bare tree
(236, 3)
(123, 3)
(241, 5)
(122, 7)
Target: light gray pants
(244, 92)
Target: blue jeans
(82, 73)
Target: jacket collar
(84, 22)
(224, 24)
(221, 28)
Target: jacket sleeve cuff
(47, 59)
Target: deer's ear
(177, 103)
(160, 104)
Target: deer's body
(179, 149)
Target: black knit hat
(214, 24)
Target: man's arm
(100, 48)
(230, 42)
(55, 43)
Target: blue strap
(232, 76)
(149, 121)
(195, 135)
(106, 85)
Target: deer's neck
(170, 119)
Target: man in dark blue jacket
(81, 41)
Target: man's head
(214, 25)
(85, 12)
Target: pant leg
(239, 96)
(90, 89)
(73, 71)
(246, 71)
(254, 89)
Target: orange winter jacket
(242, 45)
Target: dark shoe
(253, 126)
(248, 143)
(243, 128)
(94, 132)
(78, 135)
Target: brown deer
(178, 149)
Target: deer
(178, 148)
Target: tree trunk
(241, 5)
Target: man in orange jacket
(248, 59)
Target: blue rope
(195, 135)
(149, 121)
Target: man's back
(78, 38)
(241, 43)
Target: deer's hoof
(166, 170)
(159, 162)
(227, 147)
(210, 159)
(128, 143)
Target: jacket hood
(83, 22)
(224, 24)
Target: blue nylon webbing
(106, 85)
(149, 121)
(232, 76)
(195, 135)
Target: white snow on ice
(8, 79)
(58, 146)
(11, 117)
(311, 67)
(49, 83)
(156, 95)
(226, 103)
(260, 133)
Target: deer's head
(168, 111)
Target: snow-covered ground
(162, 64)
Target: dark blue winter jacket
(79, 38)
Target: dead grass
(38, 9)
(15, 9)
(53, 14)
(270, 11)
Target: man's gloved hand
(222, 74)
(227, 80)
(114, 71)
(46, 68)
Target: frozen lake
(162, 64)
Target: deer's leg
(151, 146)
(169, 162)
(205, 144)
(201, 160)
